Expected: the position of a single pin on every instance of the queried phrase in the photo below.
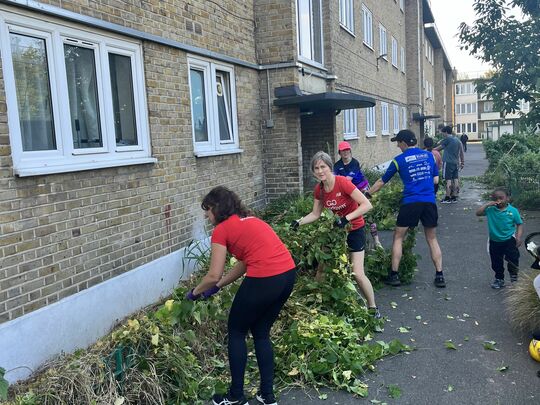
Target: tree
(512, 47)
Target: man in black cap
(418, 171)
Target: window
(458, 89)
(76, 100)
(404, 117)
(370, 121)
(385, 119)
(402, 5)
(488, 106)
(346, 14)
(383, 42)
(395, 116)
(350, 124)
(213, 107)
(309, 23)
(402, 59)
(394, 52)
(367, 19)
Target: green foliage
(3, 385)
(512, 47)
(176, 353)
(515, 163)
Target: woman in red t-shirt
(343, 198)
(270, 276)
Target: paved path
(468, 312)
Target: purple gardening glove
(192, 297)
(211, 291)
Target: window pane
(198, 105)
(223, 93)
(125, 125)
(33, 92)
(304, 27)
(83, 96)
(317, 30)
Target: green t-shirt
(502, 223)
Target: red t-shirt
(339, 200)
(254, 242)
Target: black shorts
(450, 171)
(356, 240)
(410, 214)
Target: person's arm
(461, 156)
(218, 257)
(238, 270)
(364, 205)
(480, 212)
(376, 187)
(314, 215)
(519, 234)
(435, 179)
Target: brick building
(116, 117)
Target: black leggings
(255, 308)
(499, 251)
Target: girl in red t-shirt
(345, 200)
(270, 276)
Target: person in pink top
(341, 196)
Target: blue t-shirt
(416, 167)
(502, 223)
(352, 169)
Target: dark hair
(501, 190)
(447, 129)
(428, 143)
(223, 203)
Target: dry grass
(522, 302)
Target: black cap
(405, 135)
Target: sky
(448, 15)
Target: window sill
(44, 169)
(311, 63)
(371, 135)
(348, 30)
(370, 47)
(349, 137)
(209, 153)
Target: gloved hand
(368, 195)
(211, 291)
(341, 222)
(192, 297)
(295, 224)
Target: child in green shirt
(505, 231)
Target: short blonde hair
(324, 157)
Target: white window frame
(346, 15)
(367, 26)
(402, 59)
(383, 42)
(394, 52)
(214, 145)
(370, 122)
(303, 55)
(350, 124)
(395, 117)
(385, 119)
(66, 158)
(402, 5)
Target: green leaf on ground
(418, 317)
(466, 338)
(449, 317)
(449, 345)
(450, 388)
(323, 396)
(393, 304)
(403, 329)
(394, 391)
(502, 369)
(490, 345)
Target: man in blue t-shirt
(418, 172)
